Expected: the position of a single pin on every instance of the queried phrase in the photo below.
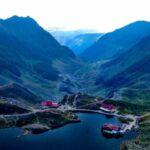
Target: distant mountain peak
(140, 22)
(17, 19)
(136, 24)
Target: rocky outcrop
(81, 100)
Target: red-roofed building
(108, 107)
(50, 103)
(110, 127)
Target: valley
(85, 73)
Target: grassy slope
(142, 142)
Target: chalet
(50, 103)
(108, 108)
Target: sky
(100, 15)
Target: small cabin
(50, 103)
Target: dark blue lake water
(81, 136)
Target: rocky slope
(142, 140)
(81, 100)
(30, 56)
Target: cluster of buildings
(110, 129)
(109, 108)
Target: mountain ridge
(35, 55)
(130, 70)
(117, 41)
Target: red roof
(108, 106)
(110, 127)
(49, 103)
